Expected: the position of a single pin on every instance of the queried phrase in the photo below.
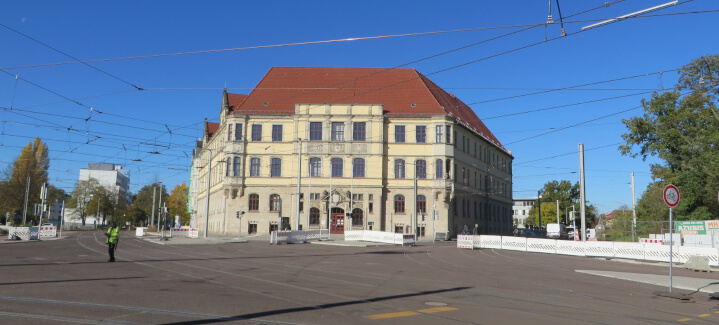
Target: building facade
(520, 210)
(110, 176)
(349, 148)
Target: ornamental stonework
(337, 148)
(359, 148)
(315, 148)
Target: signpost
(671, 198)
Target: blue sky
(181, 91)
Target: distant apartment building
(111, 176)
(520, 210)
(377, 149)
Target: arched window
(314, 216)
(236, 166)
(399, 168)
(421, 204)
(357, 217)
(399, 203)
(421, 168)
(275, 202)
(440, 169)
(358, 167)
(337, 166)
(254, 202)
(315, 167)
(229, 166)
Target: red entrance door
(337, 221)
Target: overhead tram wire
(70, 56)
(565, 154)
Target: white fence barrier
(635, 251)
(27, 233)
(298, 236)
(186, 232)
(380, 237)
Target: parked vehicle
(524, 232)
(556, 231)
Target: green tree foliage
(681, 128)
(568, 195)
(82, 196)
(143, 200)
(177, 203)
(32, 162)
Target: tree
(82, 196)
(33, 162)
(568, 196)
(681, 128)
(177, 203)
(143, 199)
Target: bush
(3, 231)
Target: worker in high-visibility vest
(112, 238)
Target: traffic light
(237, 214)
(422, 216)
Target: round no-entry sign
(671, 195)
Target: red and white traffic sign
(671, 195)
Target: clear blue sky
(181, 91)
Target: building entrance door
(337, 221)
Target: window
(359, 131)
(370, 207)
(256, 132)
(370, 197)
(315, 131)
(277, 133)
(254, 167)
(236, 167)
(254, 202)
(275, 167)
(439, 134)
(357, 217)
(399, 168)
(229, 132)
(338, 131)
(275, 202)
(357, 197)
(421, 204)
(420, 168)
(314, 216)
(449, 133)
(337, 166)
(358, 167)
(440, 169)
(399, 133)
(315, 167)
(399, 204)
(228, 168)
(421, 134)
(238, 132)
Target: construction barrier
(637, 251)
(27, 233)
(298, 236)
(380, 237)
(186, 232)
(653, 241)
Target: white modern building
(110, 176)
(520, 210)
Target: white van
(556, 230)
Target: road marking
(436, 310)
(392, 315)
(705, 315)
(410, 313)
(684, 320)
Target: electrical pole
(207, 208)
(582, 200)
(557, 211)
(154, 189)
(27, 192)
(634, 210)
(299, 171)
(159, 206)
(539, 206)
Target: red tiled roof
(212, 128)
(402, 92)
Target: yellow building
(379, 149)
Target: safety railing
(27, 233)
(380, 237)
(298, 236)
(635, 251)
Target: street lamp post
(207, 207)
